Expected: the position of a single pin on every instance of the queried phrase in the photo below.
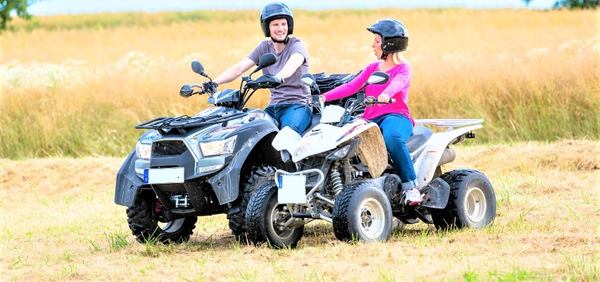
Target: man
(289, 103)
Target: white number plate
(164, 175)
(292, 189)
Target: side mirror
(266, 60)
(378, 77)
(186, 91)
(198, 68)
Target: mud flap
(436, 194)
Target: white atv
(344, 177)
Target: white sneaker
(412, 197)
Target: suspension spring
(336, 182)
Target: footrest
(436, 194)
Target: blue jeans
(297, 116)
(396, 130)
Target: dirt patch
(57, 175)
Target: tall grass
(532, 75)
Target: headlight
(220, 147)
(340, 153)
(143, 151)
(143, 148)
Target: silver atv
(343, 176)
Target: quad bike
(209, 163)
(343, 176)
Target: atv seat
(316, 118)
(420, 135)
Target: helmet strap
(284, 41)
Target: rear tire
(472, 201)
(257, 176)
(264, 215)
(363, 212)
(144, 224)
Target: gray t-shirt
(292, 91)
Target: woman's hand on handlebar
(381, 99)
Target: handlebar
(265, 81)
(356, 106)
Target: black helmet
(394, 35)
(273, 11)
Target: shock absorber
(336, 181)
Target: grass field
(77, 85)
(62, 224)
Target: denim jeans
(396, 130)
(297, 116)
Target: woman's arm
(350, 87)
(400, 80)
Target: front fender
(128, 183)
(226, 182)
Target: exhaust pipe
(448, 156)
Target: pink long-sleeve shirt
(396, 87)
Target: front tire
(143, 223)
(362, 212)
(257, 176)
(472, 201)
(264, 217)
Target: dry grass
(75, 86)
(59, 222)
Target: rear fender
(427, 162)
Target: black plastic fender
(128, 183)
(226, 182)
(436, 194)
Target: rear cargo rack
(449, 122)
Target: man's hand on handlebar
(209, 87)
(265, 81)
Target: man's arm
(234, 71)
(293, 63)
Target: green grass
(116, 241)
(511, 276)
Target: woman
(394, 120)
